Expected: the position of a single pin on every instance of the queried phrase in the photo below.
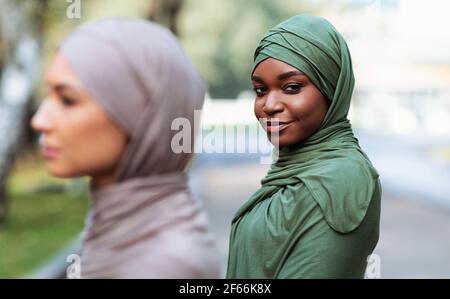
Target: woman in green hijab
(317, 212)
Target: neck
(102, 180)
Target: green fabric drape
(329, 167)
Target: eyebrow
(257, 79)
(281, 77)
(61, 87)
(290, 74)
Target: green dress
(292, 223)
(317, 212)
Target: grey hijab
(146, 224)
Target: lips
(49, 152)
(273, 126)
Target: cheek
(89, 145)
(310, 108)
(257, 108)
(310, 111)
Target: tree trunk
(19, 66)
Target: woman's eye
(293, 88)
(66, 101)
(259, 91)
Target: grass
(43, 215)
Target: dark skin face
(290, 107)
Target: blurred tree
(21, 22)
(165, 12)
(221, 36)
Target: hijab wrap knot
(146, 224)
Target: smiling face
(288, 104)
(78, 138)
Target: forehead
(272, 70)
(273, 66)
(60, 72)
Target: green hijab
(330, 163)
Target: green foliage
(43, 215)
(221, 36)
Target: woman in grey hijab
(115, 86)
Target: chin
(60, 171)
(283, 141)
(278, 143)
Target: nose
(272, 104)
(40, 121)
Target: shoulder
(343, 187)
(348, 167)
